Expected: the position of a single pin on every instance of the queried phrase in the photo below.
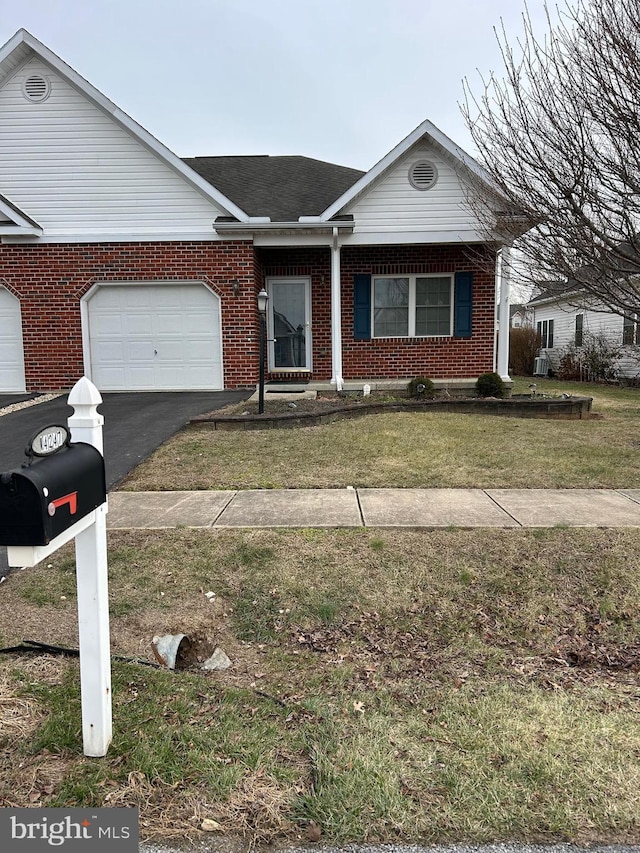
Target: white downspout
(504, 261)
(336, 315)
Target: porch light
(263, 298)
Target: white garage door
(11, 354)
(155, 337)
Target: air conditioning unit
(540, 366)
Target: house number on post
(48, 440)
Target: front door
(289, 324)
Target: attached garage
(153, 337)
(11, 353)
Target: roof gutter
(343, 226)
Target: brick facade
(50, 279)
(436, 358)
(392, 358)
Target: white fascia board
(143, 136)
(17, 217)
(390, 238)
(324, 237)
(424, 129)
(253, 225)
(14, 231)
(25, 236)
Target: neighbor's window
(579, 329)
(412, 306)
(545, 334)
(631, 329)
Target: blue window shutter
(362, 307)
(463, 302)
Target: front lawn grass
(414, 450)
(426, 686)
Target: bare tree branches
(559, 134)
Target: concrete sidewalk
(426, 508)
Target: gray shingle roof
(283, 188)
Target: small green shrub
(489, 385)
(422, 388)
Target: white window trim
(412, 304)
(271, 352)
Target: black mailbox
(40, 501)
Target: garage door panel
(176, 350)
(113, 377)
(136, 297)
(107, 324)
(171, 324)
(194, 379)
(138, 323)
(140, 351)
(200, 350)
(141, 377)
(148, 337)
(110, 352)
(11, 352)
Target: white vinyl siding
(594, 323)
(392, 205)
(74, 170)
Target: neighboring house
(568, 323)
(123, 262)
(520, 316)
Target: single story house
(140, 270)
(568, 323)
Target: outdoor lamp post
(263, 298)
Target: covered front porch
(323, 326)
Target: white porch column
(336, 315)
(504, 273)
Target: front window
(631, 330)
(412, 306)
(545, 334)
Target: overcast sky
(340, 80)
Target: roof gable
(459, 159)
(23, 47)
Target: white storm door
(289, 324)
(11, 351)
(163, 337)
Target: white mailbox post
(90, 534)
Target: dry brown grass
(413, 450)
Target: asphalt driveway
(135, 424)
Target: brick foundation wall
(50, 279)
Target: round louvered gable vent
(423, 175)
(36, 88)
